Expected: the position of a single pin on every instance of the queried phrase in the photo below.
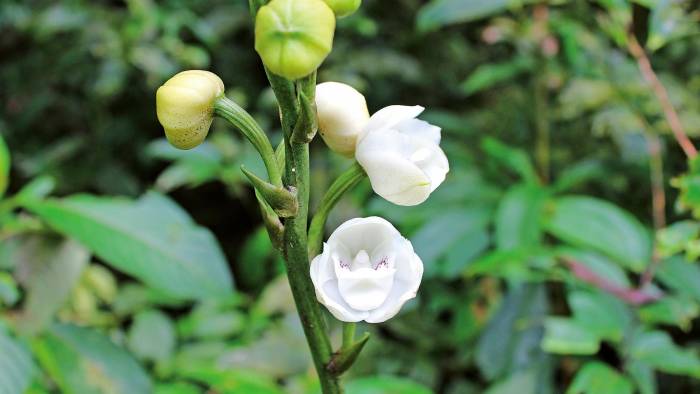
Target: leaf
(439, 13)
(601, 314)
(658, 350)
(678, 311)
(16, 365)
(490, 74)
(443, 232)
(675, 238)
(234, 381)
(9, 294)
(152, 336)
(523, 382)
(510, 341)
(568, 336)
(511, 158)
(598, 378)
(4, 166)
(681, 275)
(599, 264)
(578, 174)
(643, 376)
(151, 238)
(49, 269)
(36, 189)
(177, 388)
(581, 95)
(212, 321)
(463, 252)
(83, 361)
(385, 385)
(597, 224)
(518, 217)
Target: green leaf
(658, 350)
(9, 294)
(83, 361)
(234, 381)
(597, 224)
(601, 314)
(151, 238)
(212, 321)
(152, 336)
(489, 74)
(511, 158)
(432, 241)
(36, 189)
(48, 268)
(675, 238)
(385, 385)
(598, 378)
(510, 341)
(678, 311)
(599, 264)
(518, 217)
(681, 275)
(643, 376)
(4, 166)
(177, 388)
(523, 382)
(16, 365)
(568, 336)
(439, 13)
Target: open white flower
(402, 155)
(367, 271)
(342, 115)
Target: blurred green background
(556, 145)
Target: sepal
(283, 202)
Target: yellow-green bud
(343, 8)
(293, 37)
(185, 106)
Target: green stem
(346, 181)
(242, 120)
(348, 335)
(297, 257)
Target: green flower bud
(293, 37)
(343, 8)
(185, 106)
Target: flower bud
(185, 106)
(293, 37)
(401, 155)
(367, 271)
(342, 114)
(343, 8)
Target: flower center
(362, 260)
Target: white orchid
(367, 271)
(402, 155)
(342, 115)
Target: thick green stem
(348, 335)
(242, 120)
(296, 254)
(346, 181)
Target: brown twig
(636, 296)
(661, 94)
(658, 202)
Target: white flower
(367, 271)
(342, 114)
(402, 155)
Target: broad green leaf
(212, 321)
(490, 74)
(152, 336)
(681, 275)
(643, 376)
(442, 233)
(16, 365)
(234, 381)
(657, 349)
(514, 159)
(597, 224)
(679, 311)
(83, 361)
(523, 382)
(518, 217)
(445, 12)
(48, 268)
(601, 314)
(581, 95)
(190, 172)
(464, 251)
(36, 189)
(385, 385)
(597, 263)
(510, 341)
(177, 388)
(568, 336)
(4, 166)
(151, 238)
(598, 378)
(578, 174)
(689, 185)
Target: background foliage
(118, 253)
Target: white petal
(326, 286)
(405, 288)
(365, 289)
(342, 116)
(362, 234)
(417, 128)
(392, 115)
